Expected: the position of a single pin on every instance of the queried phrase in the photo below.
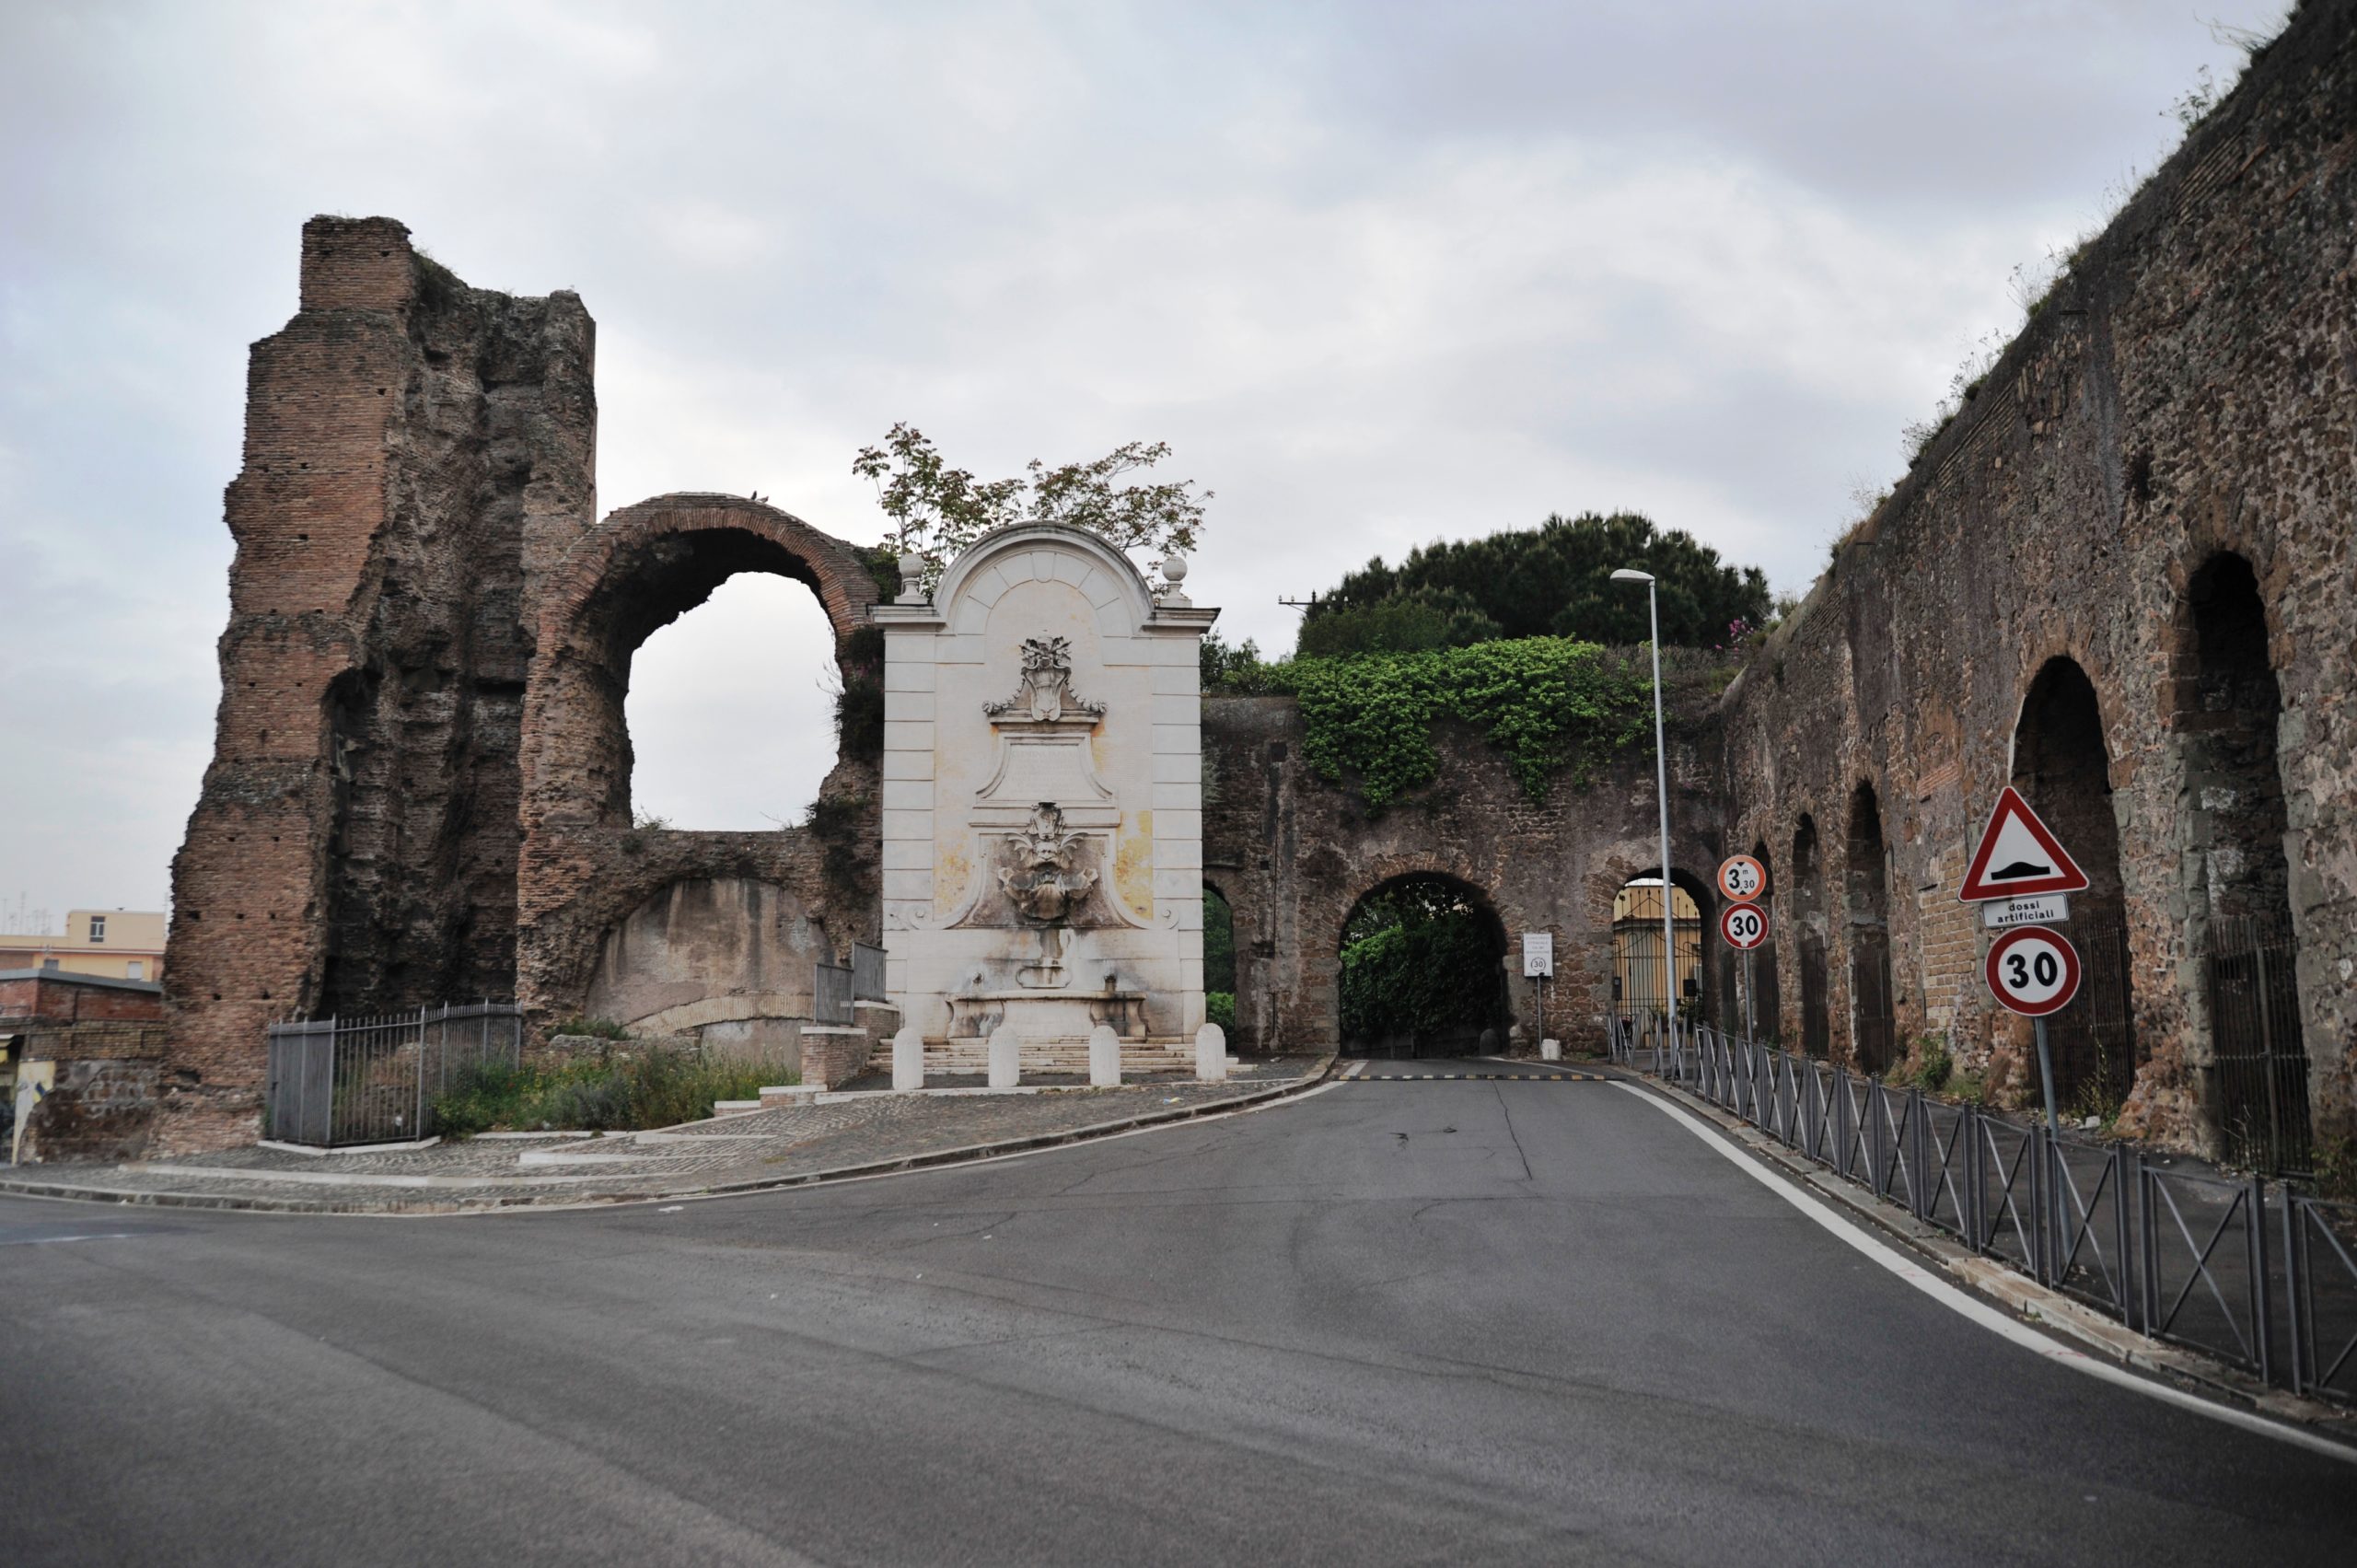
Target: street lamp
(1661, 789)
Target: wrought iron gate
(1872, 1025)
(2262, 1081)
(2092, 1040)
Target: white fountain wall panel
(1133, 788)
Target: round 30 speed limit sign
(2033, 971)
(1743, 926)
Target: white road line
(46, 1240)
(1956, 1300)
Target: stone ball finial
(1174, 570)
(911, 576)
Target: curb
(2011, 1291)
(508, 1203)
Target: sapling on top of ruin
(937, 510)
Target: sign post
(1537, 964)
(1742, 878)
(2035, 971)
(2022, 878)
(1744, 927)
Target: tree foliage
(937, 510)
(1419, 958)
(1554, 580)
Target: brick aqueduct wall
(2121, 580)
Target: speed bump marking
(1481, 1078)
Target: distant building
(110, 943)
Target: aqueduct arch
(586, 874)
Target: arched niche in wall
(2229, 704)
(1811, 937)
(2063, 767)
(1866, 907)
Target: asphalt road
(1392, 1322)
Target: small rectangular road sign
(1538, 953)
(2045, 910)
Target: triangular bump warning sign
(2018, 856)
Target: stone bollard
(1006, 1058)
(1104, 1058)
(1211, 1054)
(908, 1059)
(1551, 1051)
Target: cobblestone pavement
(761, 1148)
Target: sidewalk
(855, 1135)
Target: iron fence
(831, 993)
(334, 1082)
(2264, 1279)
(867, 974)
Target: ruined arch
(1866, 907)
(2063, 767)
(640, 570)
(584, 869)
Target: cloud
(1379, 273)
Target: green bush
(609, 1093)
(1219, 1007)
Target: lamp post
(1660, 790)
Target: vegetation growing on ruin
(1551, 581)
(835, 821)
(1552, 704)
(937, 510)
(613, 1091)
(859, 695)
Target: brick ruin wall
(2186, 394)
(107, 1040)
(419, 789)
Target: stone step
(1137, 1056)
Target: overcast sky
(1381, 273)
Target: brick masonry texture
(1293, 853)
(106, 1039)
(2187, 391)
(420, 777)
(2121, 580)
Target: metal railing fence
(831, 993)
(334, 1082)
(2264, 1279)
(867, 974)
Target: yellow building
(1636, 950)
(116, 944)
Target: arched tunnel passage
(1423, 970)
